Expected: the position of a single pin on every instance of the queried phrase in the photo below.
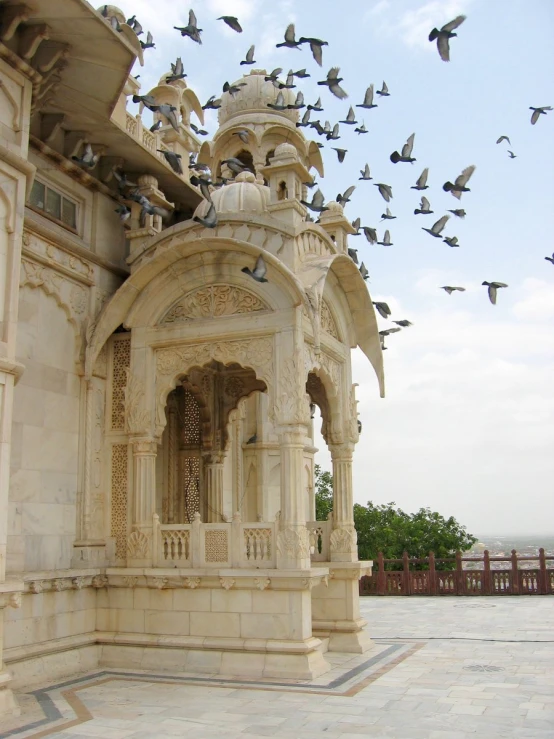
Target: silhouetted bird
(259, 271)
(492, 288)
(232, 22)
(460, 183)
(192, 30)
(537, 112)
(437, 227)
(444, 35)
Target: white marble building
(156, 459)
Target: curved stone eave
(205, 153)
(315, 272)
(314, 158)
(118, 307)
(195, 104)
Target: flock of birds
(204, 180)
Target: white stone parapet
(236, 544)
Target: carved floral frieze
(214, 301)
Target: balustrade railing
(320, 532)
(233, 544)
(431, 576)
(151, 141)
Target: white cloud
(538, 304)
(467, 425)
(413, 26)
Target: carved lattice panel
(217, 546)
(119, 479)
(121, 362)
(190, 420)
(190, 481)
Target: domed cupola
(244, 195)
(247, 111)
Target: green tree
(323, 494)
(388, 529)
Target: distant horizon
(512, 536)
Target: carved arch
(174, 362)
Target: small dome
(244, 195)
(111, 11)
(286, 151)
(334, 207)
(254, 98)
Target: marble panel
(214, 624)
(163, 622)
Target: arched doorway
(195, 467)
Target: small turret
(286, 174)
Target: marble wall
(45, 438)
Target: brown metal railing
(431, 578)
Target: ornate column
(139, 542)
(213, 486)
(293, 544)
(343, 537)
(172, 502)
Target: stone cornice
(17, 162)
(69, 244)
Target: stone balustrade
(234, 544)
(151, 141)
(320, 534)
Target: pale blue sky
(467, 426)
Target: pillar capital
(342, 451)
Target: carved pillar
(171, 464)
(293, 545)
(89, 549)
(343, 537)
(213, 486)
(139, 542)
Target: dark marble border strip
(82, 714)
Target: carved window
(190, 487)
(119, 499)
(190, 419)
(282, 192)
(54, 204)
(217, 547)
(120, 362)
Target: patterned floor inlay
(60, 707)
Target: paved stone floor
(442, 668)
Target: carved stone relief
(214, 301)
(293, 543)
(138, 545)
(290, 403)
(137, 417)
(328, 322)
(255, 353)
(343, 541)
